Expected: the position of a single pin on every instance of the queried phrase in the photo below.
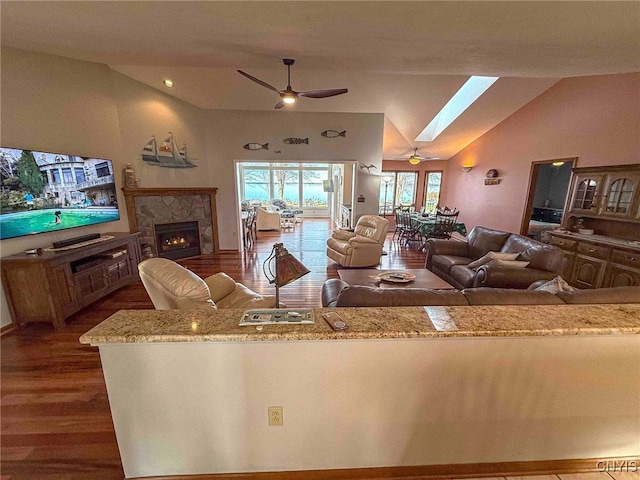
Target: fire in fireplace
(177, 240)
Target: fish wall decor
(334, 133)
(296, 141)
(256, 146)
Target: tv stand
(53, 286)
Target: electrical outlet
(275, 416)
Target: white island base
(202, 407)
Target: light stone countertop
(594, 238)
(163, 326)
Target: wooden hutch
(607, 201)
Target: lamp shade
(282, 268)
(288, 268)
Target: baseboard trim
(437, 472)
(6, 329)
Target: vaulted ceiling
(403, 59)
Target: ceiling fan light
(288, 98)
(413, 160)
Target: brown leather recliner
(363, 246)
(450, 259)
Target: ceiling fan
(288, 95)
(415, 159)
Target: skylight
(463, 98)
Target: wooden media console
(54, 285)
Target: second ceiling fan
(288, 95)
(415, 159)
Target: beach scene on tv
(43, 192)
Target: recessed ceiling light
(167, 83)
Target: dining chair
(399, 230)
(444, 225)
(249, 225)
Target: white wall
(228, 131)
(62, 105)
(143, 112)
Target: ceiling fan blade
(323, 93)
(258, 81)
(279, 105)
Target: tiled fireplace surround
(149, 206)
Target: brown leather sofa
(449, 259)
(336, 293)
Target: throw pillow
(556, 285)
(492, 256)
(508, 263)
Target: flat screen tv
(45, 192)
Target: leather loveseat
(174, 287)
(336, 293)
(450, 259)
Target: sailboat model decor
(167, 155)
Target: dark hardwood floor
(55, 417)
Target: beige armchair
(173, 287)
(266, 220)
(363, 246)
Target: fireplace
(177, 240)
(148, 207)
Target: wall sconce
(466, 169)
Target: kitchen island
(402, 387)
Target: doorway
(306, 189)
(546, 197)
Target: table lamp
(282, 268)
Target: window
(67, 176)
(79, 175)
(461, 100)
(102, 169)
(255, 185)
(432, 183)
(399, 191)
(55, 174)
(300, 185)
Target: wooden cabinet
(586, 193)
(568, 246)
(621, 194)
(605, 192)
(598, 262)
(587, 272)
(55, 285)
(623, 269)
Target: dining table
(426, 226)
